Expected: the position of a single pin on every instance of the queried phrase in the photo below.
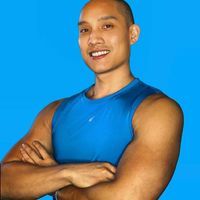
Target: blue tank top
(97, 130)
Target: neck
(109, 83)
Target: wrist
(68, 174)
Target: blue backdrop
(40, 62)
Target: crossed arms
(146, 166)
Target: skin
(32, 176)
(100, 28)
(148, 163)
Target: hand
(88, 174)
(40, 156)
(81, 175)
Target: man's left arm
(148, 162)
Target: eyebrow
(100, 19)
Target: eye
(107, 26)
(83, 30)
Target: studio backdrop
(40, 62)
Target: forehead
(97, 9)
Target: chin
(100, 69)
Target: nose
(95, 38)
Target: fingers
(25, 156)
(110, 172)
(110, 167)
(29, 154)
(41, 149)
(110, 177)
(107, 172)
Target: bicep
(148, 163)
(40, 131)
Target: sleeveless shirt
(97, 130)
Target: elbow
(8, 190)
(6, 187)
(10, 184)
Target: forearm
(100, 191)
(23, 180)
(113, 190)
(139, 190)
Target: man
(117, 139)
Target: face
(104, 36)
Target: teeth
(99, 53)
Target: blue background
(40, 62)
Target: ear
(134, 32)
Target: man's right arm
(27, 181)
(22, 180)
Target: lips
(98, 54)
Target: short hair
(125, 9)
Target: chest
(98, 133)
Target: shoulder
(44, 117)
(158, 110)
(40, 131)
(51, 107)
(47, 113)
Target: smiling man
(117, 139)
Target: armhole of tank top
(148, 91)
(56, 114)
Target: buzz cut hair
(125, 9)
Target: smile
(99, 54)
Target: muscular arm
(21, 180)
(148, 163)
(39, 174)
(27, 181)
